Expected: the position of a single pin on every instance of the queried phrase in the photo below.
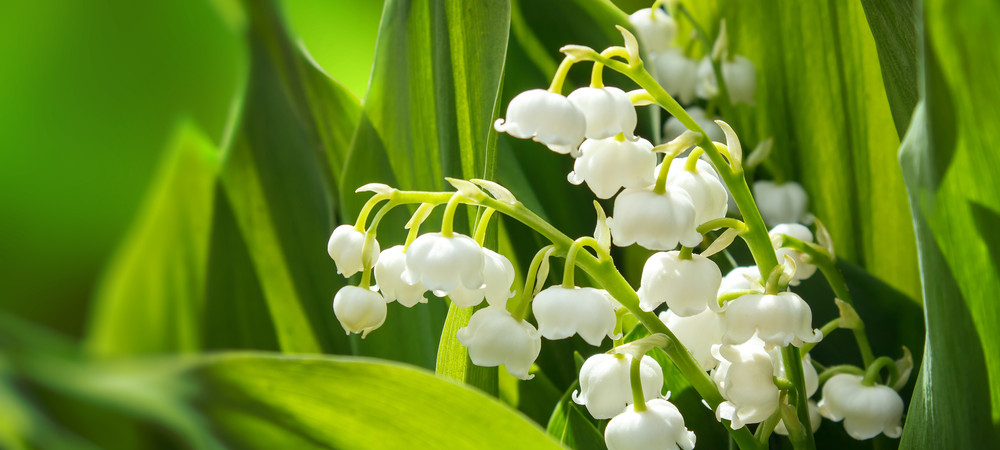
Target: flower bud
(677, 73)
(865, 410)
(674, 127)
(345, 246)
(389, 275)
(740, 75)
(655, 28)
(563, 312)
(745, 379)
(699, 333)
(494, 337)
(545, 117)
(709, 195)
(605, 388)
(442, 263)
(608, 111)
(359, 310)
(781, 203)
(654, 221)
(687, 286)
(803, 269)
(778, 320)
(607, 165)
(661, 425)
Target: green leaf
(150, 298)
(951, 165)
(894, 27)
(427, 115)
(821, 97)
(280, 176)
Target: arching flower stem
(843, 368)
(635, 379)
(483, 224)
(366, 273)
(873, 371)
(448, 221)
(560, 76)
(521, 309)
(366, 210)
(578, 245)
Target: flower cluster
(745, 334)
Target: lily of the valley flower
(654, 221)
(604, 383)
(345, 246)
(442, 263)
(699, 333)
(778, 320)
(494, 337)
(545, 117)
(687, 286)
(745, 278)
(739, 73)
(389, 275)
(781, 203)
(608, 111)
(656, 29)
(803, 269)
(745, 379)
(661, 425)
(865, 410)
(710, 197)
(677, 73)
(607, 165)
(359, 310)
(498, 276)
(563, 312)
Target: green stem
(483, 224)
(691, 164)
(793, 370)
(716, 65)
(448, 221)
(366, 210)
(661, 178)
(521, 309)
(370, 240)
(872, 373)
(822, 260)
(569, 271)
(843, 368)
(724, 222)
(686, 253)
(635, 379)
(766, 427)
(560, 77)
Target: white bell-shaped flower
(740, 75)
(661, 425)
(345, 246)
(654, 221)
(781, 203)
(687, 286)
(494, 337)
(608, 111)
(389, 275)
(745, 379)
(605, 388)
(359, 310)
(677, 73)
(814, 419)
(498, 276)
(563, 312)
(778, 320)
(656, 29)
(674, 127)
(865, 410)
(442, 263)
(544, 117)
(607, 165)
(699, 333)
(745, 278)
(803, 269)
(709, 194)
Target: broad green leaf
(820, 95)
(951, 165)
(280, 173)
(894, 27)
(427, 115)
(150, 298)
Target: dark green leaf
(894, 27)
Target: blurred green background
(91, 92)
